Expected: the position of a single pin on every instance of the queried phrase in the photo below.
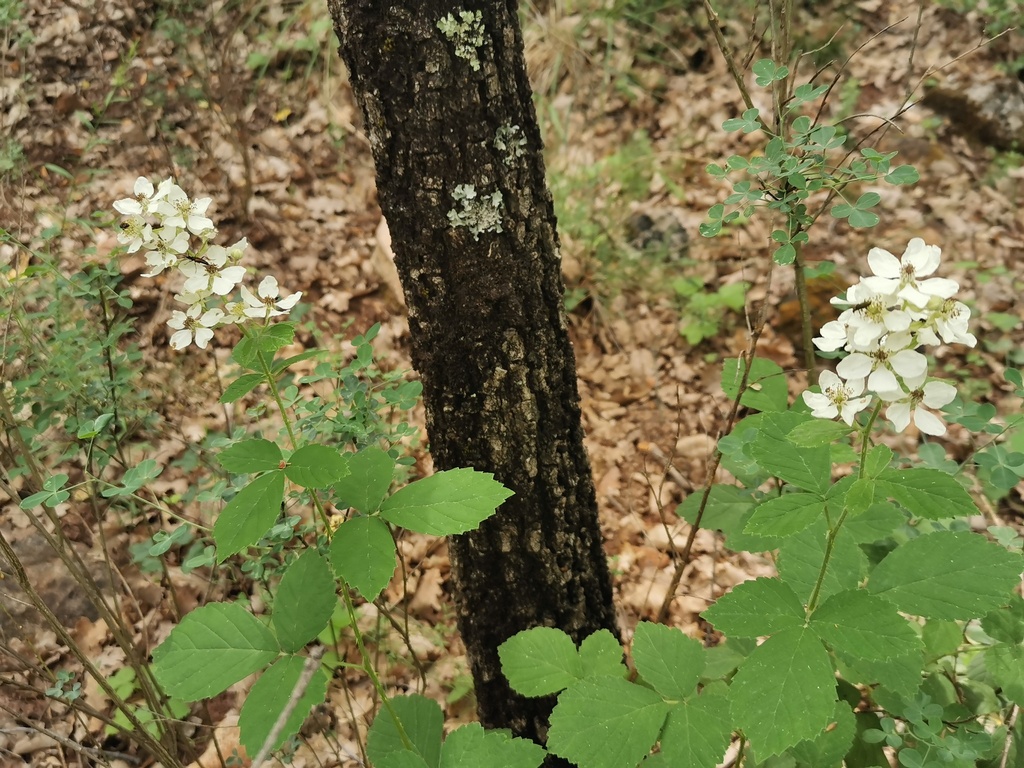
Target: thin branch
(308, 670)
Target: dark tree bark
(483, 286)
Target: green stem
(370, 671)
(833, 533)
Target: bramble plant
(348, 550)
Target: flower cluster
(162, 221)
(887, 317)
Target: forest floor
(247, 103)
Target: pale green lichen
(467, 34)
(510, 140)
(477, 214)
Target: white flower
(835, 334)
(880, 366)
(267, 303)
(166, 247)
(837, 398)
(140, 204)
(234, 312)
(191, 326)
(951, 320)
(900, 276)
(135, 233)
(209, 273)
(177, 210)
(934, 394)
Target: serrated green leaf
(446, 503)
(212, 648)
(606, 722)
(363, 554)
(865, 626)
(947, 575)
(472, 747)
(249, 515)
(767, 389)
(926, 493)
(601, 654)
(1005, 663)
(1006, 624)
(878, 460)
(316, 466)
(241, 386)
(784, 692)
(540, 661)
(877, 523)
(370, 472)
(900, 675)
(859, 497)
(755, 608)
(280, 365)
(806, 468)
(817, 433)
(268, 698)
(697, 732)
(667, 659)
(801, 555)
(249, 456)
(785, 515)
(423, 722)
(304, 601)
(728, 510)
(941, 638)
(828, 748)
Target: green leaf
(767, 72)
(697, 732)
(877, 523)
(370, 472)
(947, 575)
(927, 493)
(422, 720)
(268, 698)
(241, 386)
(667, 659)
(1006, 624)
(727, 510)
(818, 433)
(249, 456)
(755, 608)
(316, 466)
(212, 648)
(878, 460)
(540, 661)
(363, 554)
(446, 503)
(864, 626)
(801, 556)
(806, 468)
(859, 497)
(784, 692)
(280, 365)
(785, 515)
(606, 723)
(249, 515)
(863, 219)
(784, 255)
(942, 638)
(472, 747)
(900, 675)
(1005, 663)
(903, 174)
(304, 601)
(767, 389)
(830, 746)
(601, 654)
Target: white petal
(289, 301)
(883, 263)
(928, 422)
(938, 394)
(268, 287)
(855, 366)
(938, 286)
(899, 415)
(203, 336)
(908, 363)
(143, 187)
(882, 380)
(181, 339)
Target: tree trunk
(460, 176)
